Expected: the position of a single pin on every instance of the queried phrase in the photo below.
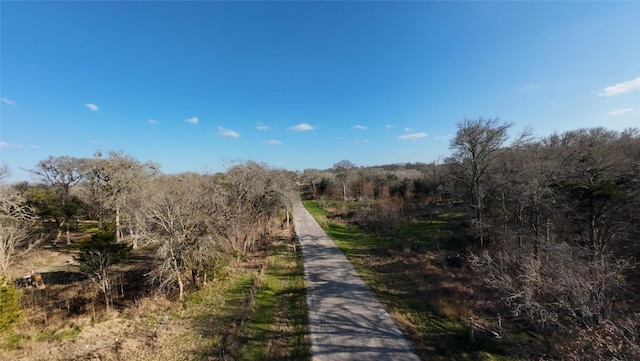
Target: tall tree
(60, 173)
(111, 179)
(17, 224)
(343, 170)
(185, 217)
(476, 146)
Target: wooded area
(552, 225)
(190, 225)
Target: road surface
(347, 322)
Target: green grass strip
(278, 327)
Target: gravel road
(347, 321)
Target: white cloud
(261, 126)
(153, 121)
(359, 140)
(526, 88)
(224, 132)
(273, 142)
(620, 88)
(407, 129)
(444, 137)
(413, 136)
(303, 127)
(35, 147)
(360, 127)
(8, 101)
(193, 120)
(388, 126)
(10, 145)
(92, 107)
(620, 111)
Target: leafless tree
(185, 220)
(5, 171)
(113, 178)
(255, 195)
(17, 235)
(476, 146)
(343, 170)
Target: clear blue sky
(304, 84)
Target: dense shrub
(10, 311)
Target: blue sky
(304, 84)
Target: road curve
(347, 322)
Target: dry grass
(429, 291)
(66, 320)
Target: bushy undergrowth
(10, 312)
(564, 291)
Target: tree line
(553, 223)
(193, 222)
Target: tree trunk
(134, 238)
(118, 229)
(287, 219)
(179, 278)
(344, 191)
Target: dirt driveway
(347, 321)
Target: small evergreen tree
(10, 312)
(98, 254)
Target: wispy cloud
(8, 101)
(153, 121)
(444, 137)
(193, 120)
(526, 88)
(360, 127)
(224, 132)
(273, 142)
(92, 107)
(413, 136)
(620, 88)
(620, 111)
(407, 129)
(303, 127)
(10, 145)
(360, 140)
(388, 126)
(261, 126)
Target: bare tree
(113, 178)
(5, 171)
(475, 148)
(98, 255)
(184, 215)
(17, 236)
(255, 195)
(343, 170)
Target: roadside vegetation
(416, 272)
(107, 258)
(511, 248)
